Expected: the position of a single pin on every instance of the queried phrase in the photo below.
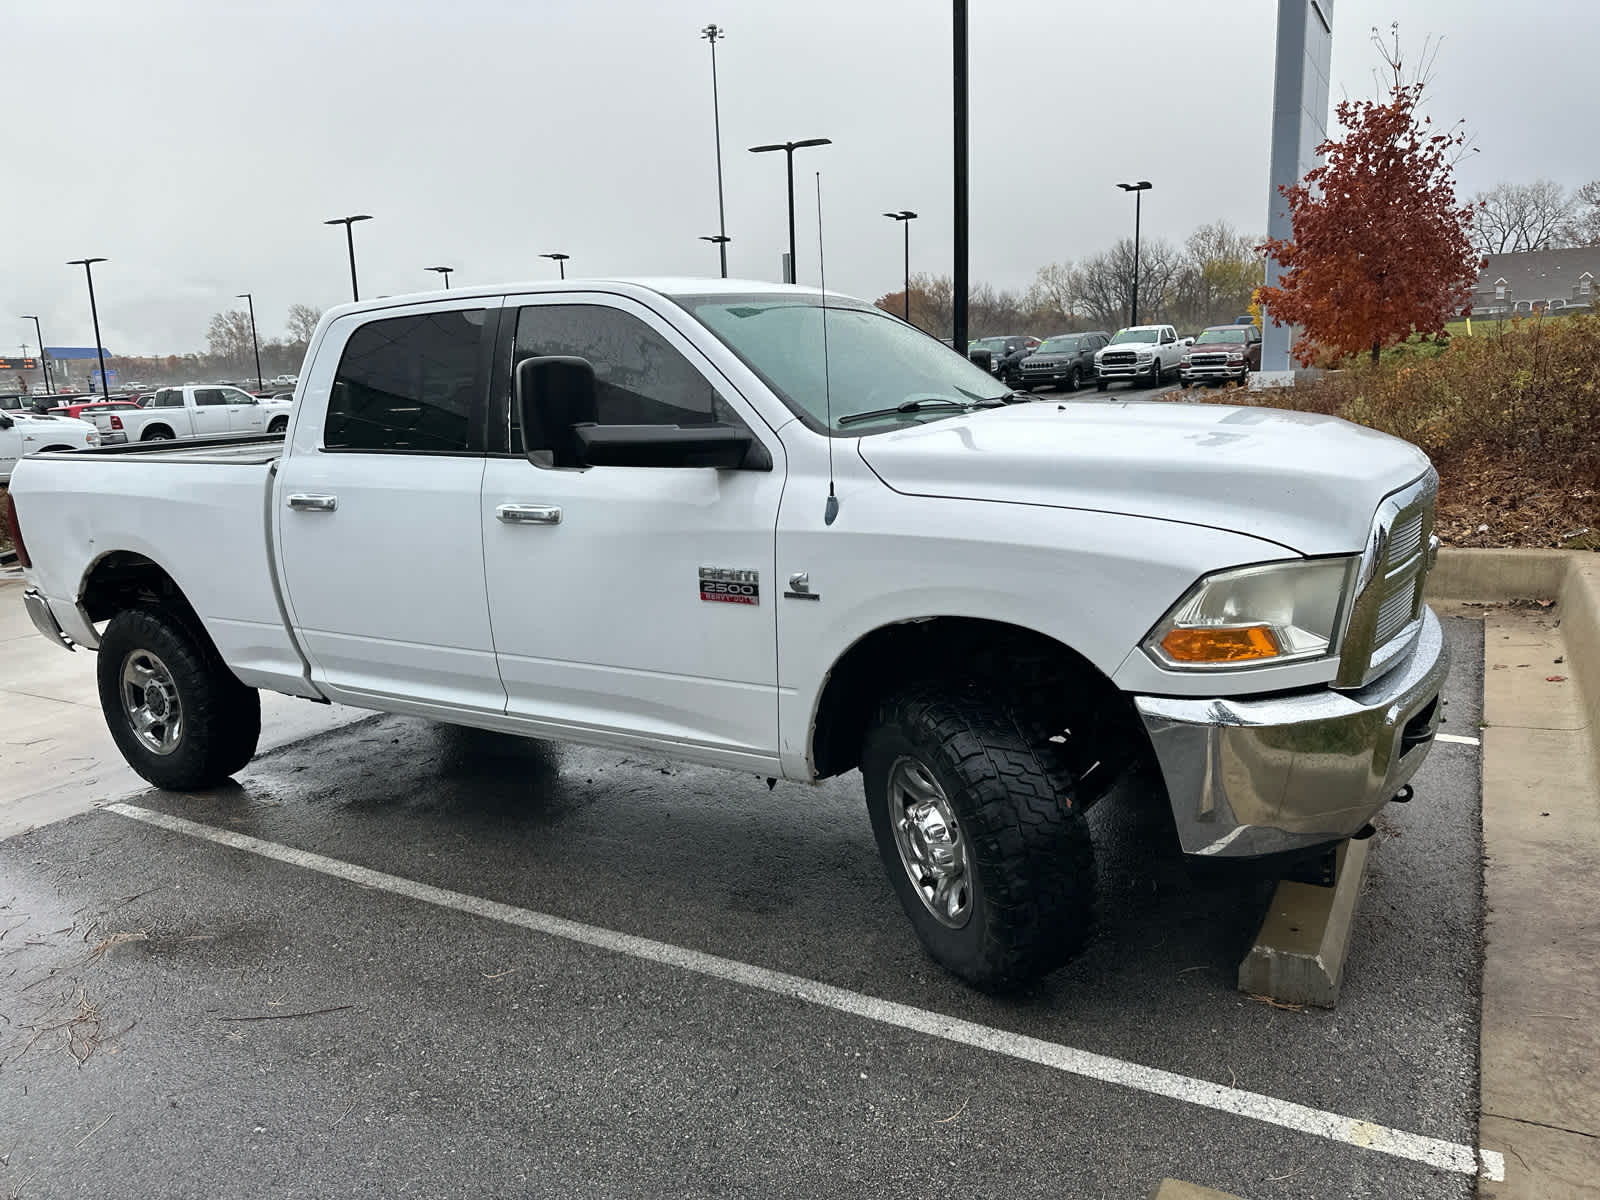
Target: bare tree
(302, 321)
(1054, 297)
(1586, 215)
(1523, 216)
(1222, 269)
(228, 338)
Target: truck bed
(246, 448)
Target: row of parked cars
(34, 424)
(1151, 354)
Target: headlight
(91, 439)
(1186, 360)
(1146, 355)
(1256, 616)
(1236, 356)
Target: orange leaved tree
(1380, 247)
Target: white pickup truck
(726, 522)
(27, 432)
(194, 411)
(1141, 352)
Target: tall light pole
(958, 210)
(249, 299)
(720, 241)
(905, 216)
(44, 359)
(350, 243)
(561, 260)
(445, 271)
(788, 149)
(711, 33)
(1137, 189)
(94, 313)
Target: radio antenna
(831, 510)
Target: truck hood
(1307, 482)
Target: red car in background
(78, 407)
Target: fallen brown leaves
(1526, 501)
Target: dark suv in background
(1065, 360)
(1005, 353)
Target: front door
(376, 508)
(244, 413)
(634, 600)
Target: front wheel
(977, 826)
(180, 717)
(1073, 380)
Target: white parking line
(1457, 738)
(1432, 1152)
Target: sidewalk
(1541, 978)
(56, 756)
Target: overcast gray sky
(199, 145)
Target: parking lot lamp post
(788, 149)
(445, 271)
(561, 260)
(250, 299)
(94, 313)
(44, 359)
(350, 244)
(1136, 188)
(720, 241)
(711, 33)
(905, 216)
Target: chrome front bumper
(1248, 777)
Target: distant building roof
(1545, 278)
(76, 352)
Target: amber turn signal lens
(1211, 644)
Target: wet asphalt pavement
(179, 1018)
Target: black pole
(254, 340)
(959, 209)
(1133, 314)
(794, 272)
(907, 224)
(44, 359)
(350, 241)
(716, 117)
(100, 351)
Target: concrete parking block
(1299, 955)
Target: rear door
(633, 601)
(376, 512)
(210, 412)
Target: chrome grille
(1208, 360)
(1394, 569)
(1395, 612)
(1406, 538)
(1119, 358)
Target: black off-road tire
(278, 425)
(221, 717)
(1074, 380)
(1029, 856)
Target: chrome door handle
(304, 503)
(529, 514)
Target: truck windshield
(1136, 335)
(875, 363)
(1220, 335)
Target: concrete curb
(1569, 577)
(1299, 954)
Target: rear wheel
(180, 717)
(976, 823)
(158, 434)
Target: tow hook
(1403, 796)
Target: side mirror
(553, 393)
(6, 422)
(1188, 341)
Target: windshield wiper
(919, 404)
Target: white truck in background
(1139, 353)
(24, 432)
(193, 411)
(652, 515)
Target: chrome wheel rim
(150, 702)
(928, 837)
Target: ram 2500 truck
(1141, 352)
(745, 526)
(203, 411)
